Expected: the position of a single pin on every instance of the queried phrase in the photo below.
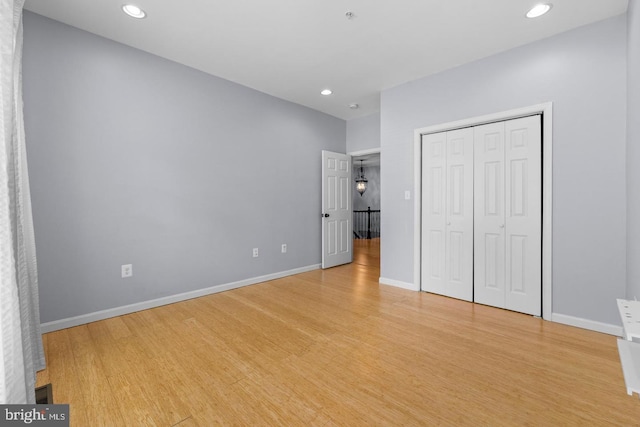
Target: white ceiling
(293, 49)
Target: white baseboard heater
(629, 347)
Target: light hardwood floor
(334, 347)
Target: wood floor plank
(61, 367)
(99, 403)
(334, 348)
(144, 399)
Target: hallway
(367, 252)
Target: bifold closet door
(447, 213)
(508, 215)
(489, 215)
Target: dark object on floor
(44, 395)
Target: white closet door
(459, 213)
(523, 178)
(447, 214)
(489, 215)
(508, 215)
(434, 162)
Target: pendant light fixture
(361, 181)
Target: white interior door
(523, 200)
(447, 214)
(489, 215)
(508, 215)
(337, 224)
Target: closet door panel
(434, 161)
(523, 175)
(459, 215)
(489, 215)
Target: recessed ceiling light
(326, 92)
(134, 11)
(539, 10)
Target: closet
(482, 214)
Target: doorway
(366, 208)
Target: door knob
(501, 225)
(324, 215)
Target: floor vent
(44, 395)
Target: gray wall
(363, 133)
(371, 197)
(136, 159)
(633, 151)
(583, 72)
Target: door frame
(546, 109)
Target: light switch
(407, 195)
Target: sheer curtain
(21, 353)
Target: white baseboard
(398, 284)
(145, 305)
(605, 328)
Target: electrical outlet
(255, 252)
(126, 270)
(284, 248)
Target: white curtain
(21, 353)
